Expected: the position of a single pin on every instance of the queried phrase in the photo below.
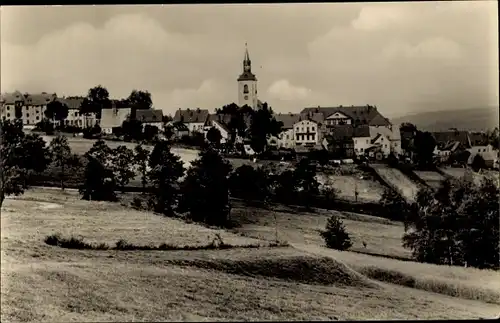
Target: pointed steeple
(247, 56)
(247, 67)
(247, 63)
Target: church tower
(247, 84)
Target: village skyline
(386, 57)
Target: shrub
(335, 235)
(136, 203)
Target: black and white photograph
(250, 162)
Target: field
(369, 190)
(46, 283)
(460, 172)
(433, 179)
(81, 146)
(398, 180)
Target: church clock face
(246, 97)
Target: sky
(403, 58)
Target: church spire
(247, 63)
(247, 56)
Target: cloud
(382, 16)
(128, 52)
(434, 48)
(283, 90)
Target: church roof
(247, 76)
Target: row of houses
(30, 108)
(454, 141)
(353, 130)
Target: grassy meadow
(300, 282)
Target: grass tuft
(123, 245)
(430, 285)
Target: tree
(263, 125)
(335, 234)
(99, 183)
(205, 190)
(56, 110)
(394, 205)
(166, 169)
(97, 99)
(141, 156)
(408, 132)
(306, 182)
(478, 163)
(101, 152)
(19, 155)
(249, 183)
(61, 154)
(424, 145)
(150, 132)
(168, 132)
(285, 187)
(140, 100)
(122, 165)
(132, 129)
(92, 132)
(45, 126)
(214, 136)
(450, 225)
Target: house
(179, 129)
(340, 142)
(349, 115)
(479, 145)
(114, 117)
(224, 131)
(392, 134)
(286, 137)
(306, 133)
(150, 117)
(362, 139)
(29, 107)
(75, 118)
(194, 119)
(383, 145)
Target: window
(314, 136)
(37, 117)
(245, 88)
(355, 141)
(307, 129)
(385, 146)
(312, 129)
(8, 108)
(37, 111)
(361, 149)
(8, 115)
(27, 122)
(27, 115)
(367, 141)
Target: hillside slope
(468, 119)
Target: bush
(136, 203)
(335, 235)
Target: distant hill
(469, 119)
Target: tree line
(456, 224)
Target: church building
(247, 84)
